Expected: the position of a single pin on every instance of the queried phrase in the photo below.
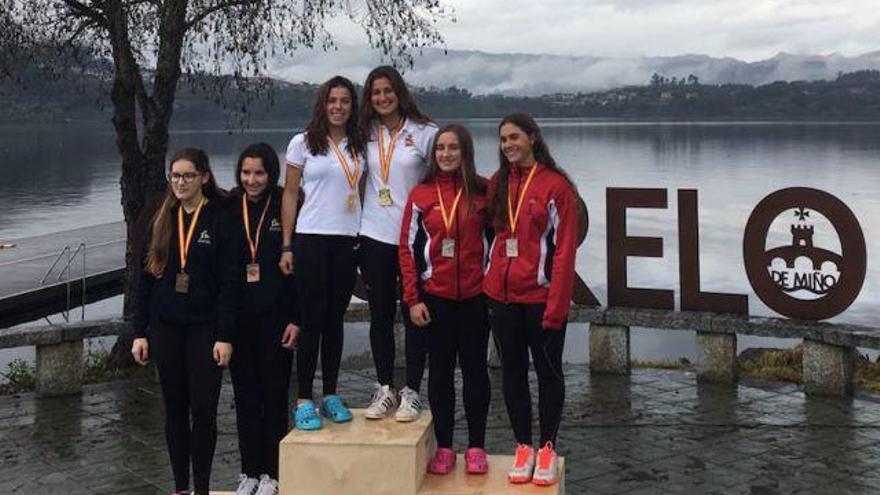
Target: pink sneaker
(443, 461)
(476, 461)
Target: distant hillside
(853, 95)
(521, 74)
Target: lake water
(61, 177)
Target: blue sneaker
(306, 418)
(333, 409)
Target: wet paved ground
(653, 432)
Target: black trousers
(380, 269)
(260, 370)
(458, 329)
(325, 270)
(190, 381)
(517, 330)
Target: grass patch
(20, 375)
(682, 363)
(782, 365)
(100, 366)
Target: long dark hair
(471, 183)
(318, 128)
(498, 206)
(267, 155)
(163, 220)
(406, 104)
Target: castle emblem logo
(801, 279)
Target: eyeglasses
(186, 178)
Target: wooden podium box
(359, 457)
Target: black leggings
(381, 272)
(325, 272)
(260, 371)
(458, 328)
(517, 330)
(190, 381)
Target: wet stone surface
(652, 432)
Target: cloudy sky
(746, 29)
(546, 46)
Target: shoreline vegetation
(853, 96)
(774, 365)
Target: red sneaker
(547, 470)
(523, 464)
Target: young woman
(397, 153)
(529, 282)
(328, 159)
(442, 252)
(267, 321)
(186, 305)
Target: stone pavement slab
(654, 431)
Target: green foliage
(20, 376)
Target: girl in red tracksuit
(529, 282)
(443, 246)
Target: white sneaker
(383, 402)
(246, 486)
(268, 486)
(523, 465)
(547, 468)
(410, 406)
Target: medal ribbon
(253, 244)
(184, 243)
(350, 174)
(513, 216)
(447, 219)
(385, 157)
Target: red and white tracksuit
(546, 233)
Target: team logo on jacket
(410, 141)
(275, 225)
(204, 238)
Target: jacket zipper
(457, 247)
(509, 259)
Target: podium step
(362, 456)
(492, 483)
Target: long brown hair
(498, 205)
(318, 128)
(162, 225)
(406, 104)
(471, 183)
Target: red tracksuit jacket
(422, 264)
(546, 232)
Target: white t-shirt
(325, 185)
(408, 167)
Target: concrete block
(59, 368)
(828, 369)
(362, 456)
(716, 357)
(609, 349)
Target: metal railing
(66, 274)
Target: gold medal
(252, 272)
(385, 158)
(351, 174)
(385, 197)
(447, 249)
(181, 283)
(512, 247)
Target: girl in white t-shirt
(327, 159)
(398, 147)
